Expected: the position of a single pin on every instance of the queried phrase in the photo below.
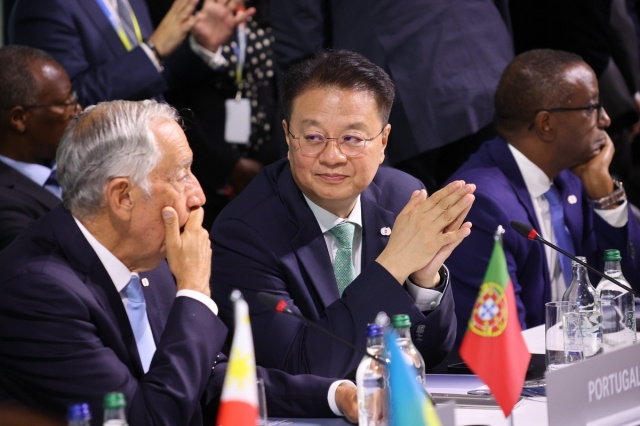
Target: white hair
(108, 140)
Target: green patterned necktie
(343, 264)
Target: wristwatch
(616, 198)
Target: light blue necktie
(137, 312)
(561, 232)
(343, 264)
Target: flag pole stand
(510, 418)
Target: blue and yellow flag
(408, 401)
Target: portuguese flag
(493, 347)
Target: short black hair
(533, 81)
(18, 85)
(340, 69)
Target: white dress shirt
(538, 183)
(121, 275)
(426, 299)
(36, 172)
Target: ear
(119, 197)
(385, 140)
(545, 126)
(285, 127)
(18, 119)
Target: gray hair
(108, 140)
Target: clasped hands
(211, 26)
(425, 233)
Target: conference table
(529, 412)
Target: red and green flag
(493, 347)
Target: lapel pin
(386, 231)
(145, 282)
(572, 199)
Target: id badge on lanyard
(237, 128)
(117, 25)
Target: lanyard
(241, 52)
(117, 24)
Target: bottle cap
(79, 412)
(401, 321)
(114, 400)
(373, 330)
(612, 256)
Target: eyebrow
(357, 125)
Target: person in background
(90, 305)
(335, 235)
(549, 168)
(36, 104)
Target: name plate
(603, 390)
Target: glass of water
(563, 334)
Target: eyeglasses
(350, 144)
(588, 108)
(72, 102)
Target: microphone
(280, 306)
(528, 232)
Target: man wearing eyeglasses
(550, 168)
(36, 104)
(335, 235)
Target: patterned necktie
(52, 184)
(560, 231)
(137, 312)
(343, 264)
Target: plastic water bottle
(402, 325)
(371, 381)
(79, 415)
(618, 306)
(582, 292)
(114, 409)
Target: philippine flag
(239, 399)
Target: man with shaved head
(549, 168)
(36, 104)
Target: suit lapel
(374, 218)
(83, 258)
(308, 244)
(102, 24)
(503, 159)
(12, 178)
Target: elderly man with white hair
(89, 305)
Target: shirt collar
(328, 220)
(36, 172)
(119, 273)
(537, 181)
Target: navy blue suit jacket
(80, 37)
(65, 337)
(502, 196)
(268, 240)
(21, 202)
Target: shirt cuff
(427, 299)
(152, 56)
(214, 60)
(617, 217)
(201, 297)
(331, 397)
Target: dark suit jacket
(81, 38)
(501, 196)
(268, 240)
(445, 57)
(21, 202)
(65, 337)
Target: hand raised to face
(216, 21)
(188, 253)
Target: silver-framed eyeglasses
(350, 144)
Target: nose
(196, 197)
(331, 153)
(604, 120)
